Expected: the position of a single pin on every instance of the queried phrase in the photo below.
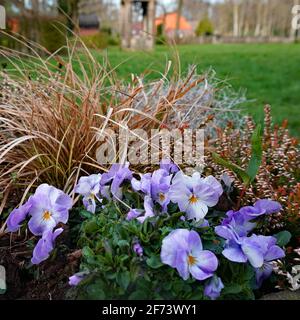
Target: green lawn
(269, 72)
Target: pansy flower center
(161, 196)
(193, 199)
(191, 260)
(47, 215)
(91, 196)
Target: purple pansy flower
(155, 185)
(138, 249)
(117, 174)
(143, 184)
(261, 207)
(89, 188)
(160, 185)
(77, 278)
(168, 166)
(270, 252)
(195, 194)
(47, 207)
(133, 213)
(239, 249)
(142, 215)
(149, 209)
(239, 220)
(213, 287)
(243, 249)
(182, 249)
(45, 245)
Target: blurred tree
(205, 27)
(179, 13)
(70, 9)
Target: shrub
(279, 173)
(205, 27)
(114, 40)
(160, 37)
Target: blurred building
(137, 27)
(105, 12)
(169, 23)
(89, 24)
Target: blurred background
(249, 43)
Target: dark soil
(49, 280)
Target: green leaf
(256, 153)
(241, 173)
(90, 227)
(123, 279)
(283, 238)
(232, 289)
(95, 292)
(87, 252)
(86, 214)
(138, 295)
(123, 243)
(154, 262)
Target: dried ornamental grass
(53, 110)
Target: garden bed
(225, 227)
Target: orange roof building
(169, 21)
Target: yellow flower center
(191, 260)
(162, 197)
(193, 199)
(47, 215)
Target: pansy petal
(83, 188)
(181, 264)
(44, 246)
(17, 216)
(263, 273)
(274, 253)
(206, 194)
(176, 240)
(228, 233)
(214, 183)
(196, 210)
(233, 252)
(253, 253)
(269, 206)
(207, 261)
(198, 273)
(194, 243)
